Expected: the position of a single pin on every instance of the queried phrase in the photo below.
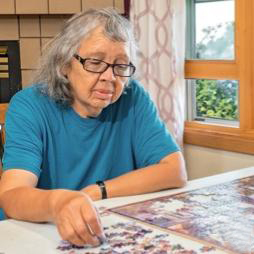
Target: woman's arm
(170, 172)
(72, 211)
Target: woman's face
(94, 91)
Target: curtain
(159, 27)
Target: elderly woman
(84, 131)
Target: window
(219, 72)
(211, 36)
(213, 101)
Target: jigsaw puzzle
(222, 215)
(129, 237)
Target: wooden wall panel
(64, 6)
(31, 6)
(7, 7)
(86, 4)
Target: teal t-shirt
(65, 150)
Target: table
(17, 237)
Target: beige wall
(201, 161)
(34, 23)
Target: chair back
(3, 109)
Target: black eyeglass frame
(83, 60)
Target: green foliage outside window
(217, 99)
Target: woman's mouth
(103, 94)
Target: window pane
(214, 30)
(213, 100)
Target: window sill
(219, 137)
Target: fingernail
(102, 239)
(90, 230)
(105, 246)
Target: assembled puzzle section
(222, 215)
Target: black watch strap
(102, 186)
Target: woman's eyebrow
(95, 54)
(102, 55)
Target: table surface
(40, 238)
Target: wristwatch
(102, 186)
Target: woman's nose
(108, 74)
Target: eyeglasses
(99, 66)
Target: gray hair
(59, 52)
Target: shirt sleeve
(152, 141)
(23, 147)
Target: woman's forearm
(152, 178)
(27, 203)
(169, 173)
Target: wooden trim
(225, 138)
(195, 69)
(242, 69)
(3, 109)
(245, 59)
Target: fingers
(84, 232)
(76, 232)
(67, 233)
(91, 216)
(78, 222)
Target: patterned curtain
(160, 32)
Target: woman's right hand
(76, 217)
